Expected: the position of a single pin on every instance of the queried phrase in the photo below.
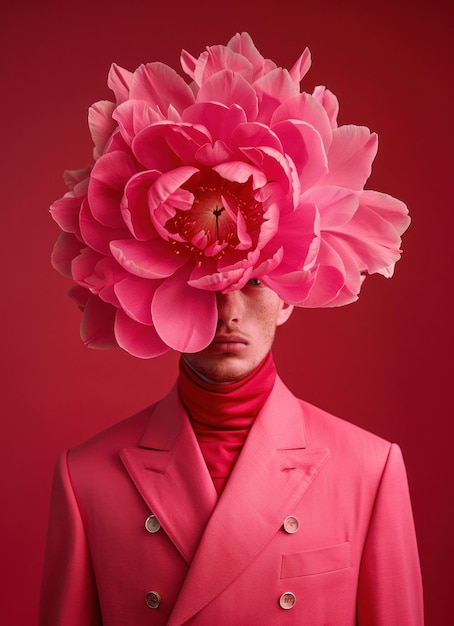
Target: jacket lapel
(169, 471)
(271, 475)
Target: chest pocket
(318, 561)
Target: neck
(222, 414)
(262, 377)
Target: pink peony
(200, 187)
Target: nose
(229, 307)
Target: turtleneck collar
(222, 414)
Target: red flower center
(223, 216)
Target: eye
(254, 281)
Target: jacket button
(152, 524)
(291, 524)
(153, 599)
(287, 600)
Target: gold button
(153, 599)
(152, 524)
(291, 524)
(287, 600)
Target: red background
(383, 363)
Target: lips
(229, 344)
(229, 339)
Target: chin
(228, 369)
(228, 372)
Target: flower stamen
(209, 227)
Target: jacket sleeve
(390, 588)
(68, 594)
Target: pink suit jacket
(227, 562)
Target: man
(230, 501)
(314, 525)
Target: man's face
(247, 321)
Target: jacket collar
(273, 471)
(168, 457)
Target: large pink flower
(198, 188)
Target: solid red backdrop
(382, 363)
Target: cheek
(267, 321)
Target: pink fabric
(222, 415)
(224, 561)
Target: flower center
(223, 216)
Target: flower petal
(80, 296)
(134, 205)
(269, 264)
(389, 208)
(243, 44)
(305, 108)
(273, 89)
(135, 296)
(218, 58)
(101, 125)
(338, 280)
(119, 80)
(133, 116)
(350, 157)
(161, 86)
(167, 146)
(270, 225)
(166, 196)
(95, 234)
(219, 120)
(301, 67)
(139, 340)
(336, 205)
(230, 89)
(329, 102)
(275, 166)
(245, 241)
(148, 259)
(98, 274)
(65, 211)
(193, 330)
(77, 180)
(188, 63)
(213, 154)
(83, 267)
(369, 239)
(167, 184)
(298, 237)
(305, 146)
(253, 134)
(292, 287)
(224, 281)
(108, 179)
(241, 172)
(96, 328)
(66, 248)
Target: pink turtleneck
(222, 414)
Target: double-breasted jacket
(314, 526)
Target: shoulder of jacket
(343, 437)
(126, 432)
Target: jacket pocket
(319, 561)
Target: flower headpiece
(200, 187)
